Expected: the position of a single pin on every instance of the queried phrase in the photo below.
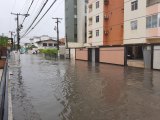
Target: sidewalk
(12, 62)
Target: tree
(3, 41)
(3, 45)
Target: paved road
(77, 90)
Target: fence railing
(4, 93)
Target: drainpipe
(152, 55)
(125, 55)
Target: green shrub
(49, 51)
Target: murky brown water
(65, 90)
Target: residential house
(45, 44)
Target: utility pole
(19, 27)
(57, 21)
(11, 33)
(14, 42)
(12, 39)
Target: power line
(40, 18)
(122, 23)
(28, 10)
(34, 12)
(57, 7)
(24, 5)
(36, 16)
(153, 37)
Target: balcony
(152, 2)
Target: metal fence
(4, 93)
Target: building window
(134, 25)
(97, 19)
(55, 45)
(97, 33)
(44, 44)
(90, 8)
(90, 34)
(152, 21)
(97, 4)
(149, 22)
(50, 44)
(90, 21)
(134, 5)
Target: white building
(45, 44)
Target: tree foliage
(3, 41)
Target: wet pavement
(78, 90)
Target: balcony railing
(152, 2)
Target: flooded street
(78, 90)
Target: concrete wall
(134, 36)
(72, 54)
(113, 55)
(82, 54)
(156, 57)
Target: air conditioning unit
(106, 32)
(106, 17)
(122, 26)
(106, 2)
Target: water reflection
(66, 90)
(22, 106)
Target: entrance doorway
(93, 55)
(135, 56)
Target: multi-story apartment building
(124, 32)
(75, 18)
(105, 31)
(153, 31)
(141, 33)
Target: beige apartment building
(102, 44)
(141, 33)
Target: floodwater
(78, 90)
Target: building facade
(122, 32)
(75, 18)
(75, 26)
(141, 33)
(46, 44)
(105, 31)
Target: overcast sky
(45, 27)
